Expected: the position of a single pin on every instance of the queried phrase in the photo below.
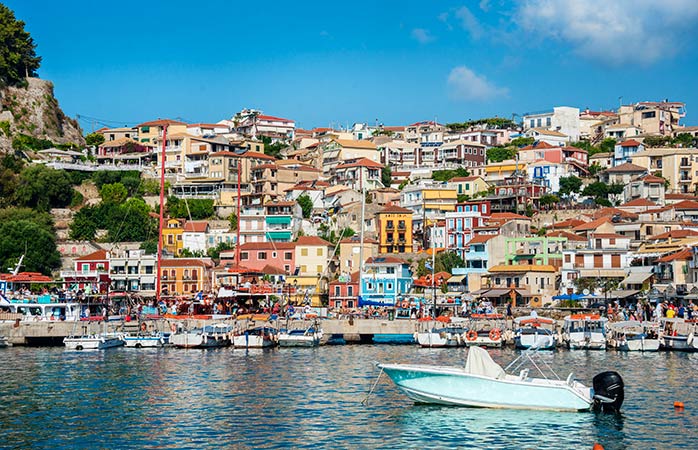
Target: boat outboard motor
(609, 392)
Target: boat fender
(689, 339)
(144, 327)
(442, 335)
(405, 305)
(458, 338)
(471, 335)
(173, 327)
(495, 334)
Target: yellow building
(172, 236)
(395, 230)
(470, 186)
(185, 276)
(312, 255)
(149, 132)
(677, 165)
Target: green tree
(306, 205)
(215, 252)
(449, 174)
(522, 141)
(94, 139)
(17, 53)
(597, 190)
(655, 141)
(498, 154)
(443, 262)
(113, 194)
(685, 140)
(594, 169)
(84, 225)
(570, 184)
(233, 220)
(33, 240)
(386, 176)
(150, 247)
(14, 214)
(198, 209)
(549, 199)
(43, 188)
(607, 145)
(133, 224)
(346, 232)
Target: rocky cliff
(33, 111)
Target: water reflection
(303, 398)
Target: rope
(375, 383)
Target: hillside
(34, 111)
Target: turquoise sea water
(311, 398)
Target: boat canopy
(480, 362)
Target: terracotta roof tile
(683, 254)
(99, 255)
(312, 241)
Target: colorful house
(312, 255)
(185, 276)
(385, 281)
(90, 273)
(395, 230)
(172, 236)
(344, 291)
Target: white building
(564, 119)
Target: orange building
(185, 276)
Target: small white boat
(484, 383)
(678, 334)
(4, 342)
(449, 334)
(100, 341)
(585, 332)
(259, 337)
(485, 330)
(143, 340)
(301, 337)
(633, 336)
(535, 332)
(210, 336)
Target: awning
(495, 293)
(147, 280)
(568, 297)
(480, 291)
(285, 220)
(637, 278)
(456, 279)
(622, 293)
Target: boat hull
(252, 341)
(92, 343)
(679, 343)
(198, 340)
(453, 386)
(144, 341)
(539, 341)
(298, 341)
(639, 345)
(440, 340)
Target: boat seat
(523, 374)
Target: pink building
(258, 255)
(91, 272)
(344, 292)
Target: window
(261, 255)
(288, 256)
(389, 286)
(244, 255)
(369, 286)
(337, 291)
(390, 270)
(350, 291)
(319, 251)
(533, 123)
(273, 255)
(287, 268)
(304, 269)
(304, 252)
(547, 122)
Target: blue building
(384, 280)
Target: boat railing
(527, 357)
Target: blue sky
(323, 63)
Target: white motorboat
(209, 336)
(146, 340)
(677, 334)
(259, 337)
(99, 341)
(448, 334)
(484, 383)
(585, 331)
(485, 330)
(301, 337)
(4, 342)
(633, 336)
(535, 332)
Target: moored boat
(633, 336)
(585, 331)
(448, 333)
(99, 341)
(484, 383)
(677, 334)
(258, 337)
(4, 342)
(535, 332)
(485, 330)
(301, 337)
(208, 336)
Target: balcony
(389, 226)
(685, 164)
(81, 273)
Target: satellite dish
(585, 292)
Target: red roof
(186, 262)
(607, 236)
(627, 167)
(29, 277)
(674, 234)
(684, 254)
(207, 125)
(568, 223)
(639, 202)
(395, 209)
(630, 143)
(508, 216)
(459, 179)
(160, 122)
(481, 238)
(610, 212)
(686, 204)
(539, 145)
(273, 270)
(273, 118)
(99, 255)
(357, 240)
(594, 224)
(566, 234)
(652, 179)
(312, 240)
(279, 203)
(362, 162)
(196, 226)
(679, 196)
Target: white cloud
(613, 32)
(464, 84)
(469, 22)
(422, 36)
(485, 5)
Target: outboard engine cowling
(609, 392)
